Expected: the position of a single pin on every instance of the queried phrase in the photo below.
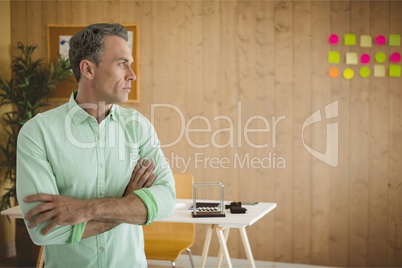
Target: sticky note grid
(366, 62)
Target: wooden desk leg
(220, 255)
(247, 247)
(224, 248)
(206, 245)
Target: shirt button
(101, 249)
(100, 165)
(99, 136)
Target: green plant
(27, 93)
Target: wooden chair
(165, 240)
(41, 257)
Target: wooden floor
(11, 262)
(183, 262)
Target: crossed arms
(100, 214)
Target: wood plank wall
(234, 61)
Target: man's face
(113, 77)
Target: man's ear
(87, 69)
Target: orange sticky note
(333, 72)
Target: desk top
(182, 214)
(14, 212)
(254, 213)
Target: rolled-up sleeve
(163, 189)
(34, 175)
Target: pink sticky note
(333, 39)
(395, 57)
(380, 40)
(365, 58)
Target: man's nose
(131, 75)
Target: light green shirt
(65, 151)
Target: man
(77, 186)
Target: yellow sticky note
(334, 57)
(349, 39)
(379, 71)
(394, 70)
(351, 58)
(348, 73)
(394, 39)
(365, 41)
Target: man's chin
(122, 100)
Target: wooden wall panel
(79, 12)
(238, 60)
(359, 147)
(49, 18)
(283, 19)
(18, 26)
(262, 245)
(64, 14)
(302, 97)
(339, 188)
(194, 90)
(394, 247)
(379, 146)
(321, 95)
(249, 98)
(34, 31)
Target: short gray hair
(88, 44)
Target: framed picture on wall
(57, 43)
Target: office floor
(12, 262)
(183, 262)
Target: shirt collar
(113, 112)
(79, 115)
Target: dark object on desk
(236, 208)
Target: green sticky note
(380, 57)
(379, 71)
(349, 39)
(351, 58)
(364, 71)
(394, 39)
(365, 41)
(394, 70)
(334, 57)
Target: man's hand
(57, 209)
(142, 176)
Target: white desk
(14, 212)
(221, 225)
